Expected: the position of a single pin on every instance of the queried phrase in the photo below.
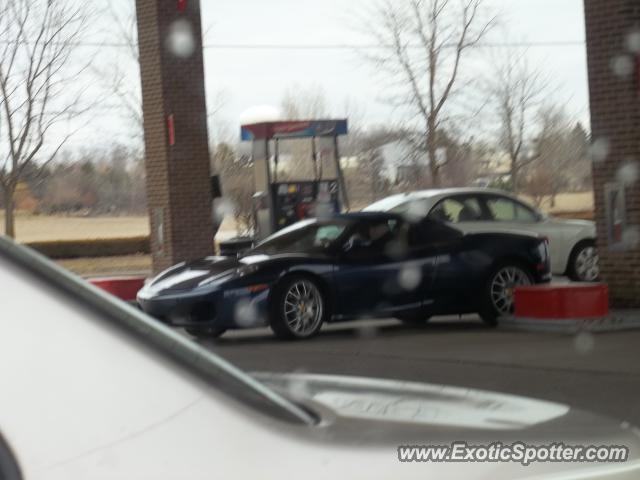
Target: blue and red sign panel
(293, 129)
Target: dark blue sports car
(350, 266)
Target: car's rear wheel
(583, 264)
(298, 308)
(498, 298)
(205, 332)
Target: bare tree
(37, 41)
(425, 44)
(517, 90)
(118, 73)
(560, 155)
(236, 172)
(304, 103)
(120, 76)
(300, 103)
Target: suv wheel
(583, 264)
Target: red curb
(562, 302)
(125, 288)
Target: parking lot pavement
(599, 372)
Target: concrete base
(615, 321)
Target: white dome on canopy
(260, 113)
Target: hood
(186, 276)
(389, 411)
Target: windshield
(386, 204)
(308, 236)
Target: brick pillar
(175, 130)
(614, 81)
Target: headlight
(247, 270)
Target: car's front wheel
(298, 308)
(205, 332)
(499, 290)
(583, 264)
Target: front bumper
(232, 308)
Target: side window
(327, 234)
(456, 210)
(375, 236)
(506, 210)
(414, 211)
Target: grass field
(36, 228)
(128, 264)
(32, 228)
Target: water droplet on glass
(599, 150)
(181, 41)
(633, 41)
(584, 342)
(245, 313)
(222, 209)
(409, 277)
(630, 237)
(623, 66)
(629, 173)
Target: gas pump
(279, 203)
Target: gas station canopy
(294, 129)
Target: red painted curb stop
(562, 301)
(125, 288)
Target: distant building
(494, 168)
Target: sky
(240, 78)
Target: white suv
(572, 243)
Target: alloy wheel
(586, 266)
(503, 285)
(303, 308)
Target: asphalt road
(598, 372)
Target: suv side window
(457, 209)
(504, 209)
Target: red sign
(290, 127)
(171, 130)
(638, 72)
(182, 5)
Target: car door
(483, 212)
(508, 214)
(436, 247)
(380, 277)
